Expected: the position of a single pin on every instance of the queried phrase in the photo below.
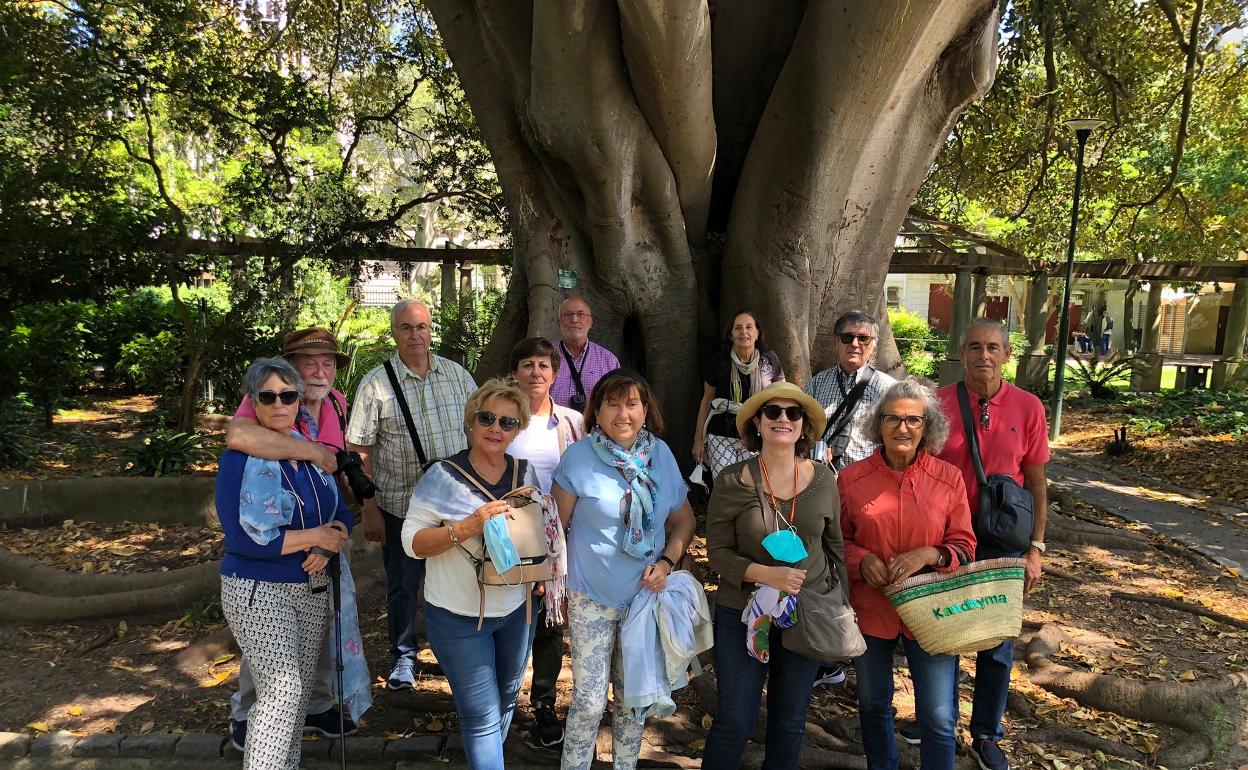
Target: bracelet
(671, 564)
(450, 528)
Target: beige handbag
(527, 528)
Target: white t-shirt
(539, 444)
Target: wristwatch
(671, 565)
(1039, 545)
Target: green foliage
(1190, 412)
(154, 365)
(14, 449)
(366, 355)
(126, 317)
(463, 329)
(916, 342)
(166, 453)
(49, 347)
(1094, 372)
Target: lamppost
(1083, 128)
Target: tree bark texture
(689, 161)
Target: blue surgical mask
(784, 545)
(498, 542)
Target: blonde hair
(496, 387)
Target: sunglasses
(912, 421)
(773, 412)
(267, 397)
(984, 419)
(848, 339)
(507, 424)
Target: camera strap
(407, 414)
(342, 414)
(576, 375)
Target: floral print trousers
(594, 630)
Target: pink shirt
(329, 430)
(1017, 435)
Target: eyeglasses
(486, 419)
(773, 411)
(984, 419)
(912, 421)
(578, 315)
(848, 339)
(267, 397)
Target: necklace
(298, 499)
(775, 505)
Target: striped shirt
(830, 387)
(593, 362)
(437, 404)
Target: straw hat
(312, 341)
(812, 408)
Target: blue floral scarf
(637, 505)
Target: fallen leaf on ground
(74, 711)
(39, 727)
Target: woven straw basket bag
(973, 608)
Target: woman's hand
(330, 538)
(874, 571)
(699, 449)
(474, 525)
(315, 563)
(909, 563)
(784, 579)
(654, 578)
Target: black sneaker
(238, 734)
(910, 732)
(549, 727)
(326, 724)
(989, 755)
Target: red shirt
(887, 513)
(1017, 435)
(329, 430)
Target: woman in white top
(552, 429)
(448, 516)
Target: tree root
(163, 601)
(39, 578)
(1213, 713)
(1049, 569)
(1181, 606)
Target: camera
(350, 465)
(577, 402)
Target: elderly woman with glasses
(283, 521)
(773, 530)
(480, 634)
(903, 511)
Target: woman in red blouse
(903, 512)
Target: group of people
(853, 483)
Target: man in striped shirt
(435, 390)
(584, 362)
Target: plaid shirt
(830, 387)
(437, 404)
(593, 362)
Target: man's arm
(249, 437)
(374, 525)
(1035, 482)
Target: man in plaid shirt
(436, 390)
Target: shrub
(165, 453)
(1190, 412)
(366, 354)
(154, 365)
(464, 328)
(125, 317)
(14, 451)
(50, 353)
(1095, 373)
(917, 344)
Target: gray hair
(856, 318)
(402, 305)
(935, 425)
(984, 323)
(263, 368)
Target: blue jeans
(404, 578)
(992, 674)
(485, 670)
(790, 678)
(935, 700)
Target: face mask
(498, 542)
(784, 545)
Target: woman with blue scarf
(773, 530)
(622, 497)
(283, 521)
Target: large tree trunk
(620, 161)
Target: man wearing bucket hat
(322, 420)
(1012, 435)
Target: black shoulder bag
(407, 415)
(1006, 510)
(577, 401)
(839, 420)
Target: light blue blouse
(596, 565)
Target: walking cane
(335, 582)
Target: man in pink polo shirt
(322, 419)
(1013, 440)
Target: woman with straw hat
(773, 530)
(903, 511)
